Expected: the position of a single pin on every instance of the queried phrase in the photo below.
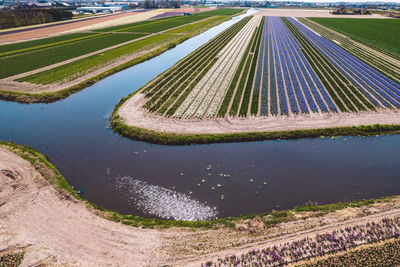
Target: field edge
(50, 97)
(52, 175)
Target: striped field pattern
(272, 66)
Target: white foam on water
(163, 202)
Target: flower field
(319, 245)
(278, 66)
(385, 255)
(71, 56)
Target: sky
(334, 1)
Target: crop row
(170, 88)
(387, 64)
(80, 67)
(372, 84)
(76, 68)
(164, 86)
(23, 62)
(218, 77)
(239, 82)
(157, 25)
(335, 83)
(285, 78)
(382, 255)
(22, 47)
(319, 245)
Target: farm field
(305, 172)
(46, 30)
(68, 60)
(368, 31)
(272, 67)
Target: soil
(104, 21)
(57, 230)
(53, 228)
(133, 114)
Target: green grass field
(382, 33)
(77, 67)
(40, 42)
(157, 25)
(80, 67)
(27, 56)
(23, 62)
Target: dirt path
(73, 26)
(60, 231)
(133, 114)
(288, 238)
(55, 229)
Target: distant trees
(24, 17)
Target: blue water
(74, 133)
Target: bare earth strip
(77, 26)
(133, 114)
(309, 13)
(9, 84)
(55, 229)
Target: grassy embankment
(156, 43)
(52, 175)
(380, 33)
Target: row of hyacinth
(374, 85)
(319, 245)
(11, 259)
(385, 255)
(297, 84)
(167, 14)
(194, 101)
(233, 63)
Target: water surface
(194, 182)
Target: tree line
(25, 17)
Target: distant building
(99, 9)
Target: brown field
(73, 26)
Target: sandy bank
(133, 114)
(57, 230)
(54, 228)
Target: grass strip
(370, 31)
(21, 47)
(20, 63)
(50, 173)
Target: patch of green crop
(40, 42)
(77, 67)
(20, 63)
(195, 26)
(382, 33)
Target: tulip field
(317, 246)
(276, 66)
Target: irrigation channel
(201, 181)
